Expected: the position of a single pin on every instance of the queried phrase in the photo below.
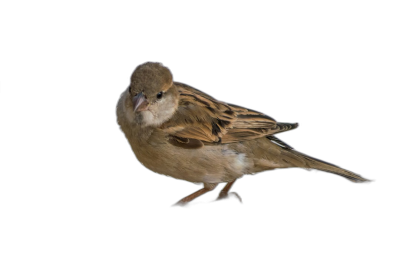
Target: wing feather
(202, 117)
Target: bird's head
(151, 98)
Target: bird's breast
(210, 164)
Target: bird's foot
(224, 195)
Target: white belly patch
(238, 161)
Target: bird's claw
(224, 195)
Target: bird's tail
(318, 164)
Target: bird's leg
(225, 191)
(185, 200)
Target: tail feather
(293, 158)
(321, 165)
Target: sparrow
(179, 131)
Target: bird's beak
(139, 102)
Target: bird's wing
(200, 117)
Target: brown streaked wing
(202, 117)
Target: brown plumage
(179, 131)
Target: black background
(328, 72)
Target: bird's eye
(130, 89)
(159, 95)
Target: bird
(182, 132)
